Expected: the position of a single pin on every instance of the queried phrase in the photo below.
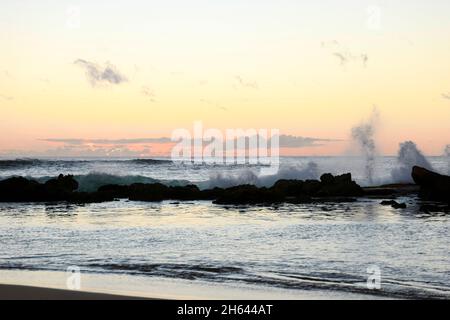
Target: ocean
(320, 247)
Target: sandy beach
(50, 285)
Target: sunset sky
(84, 78)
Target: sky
(80, 78)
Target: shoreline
(50, 285)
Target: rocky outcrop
(64, 188)
(342, 186)
(249, 194)
(19, 189)
(433, 186)
(22, 189)
(293, 191)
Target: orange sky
(141, 69)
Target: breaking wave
(227, 180)
(92, 181)
(408, 157)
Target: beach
(45, 285)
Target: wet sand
(51, 285)
(18, 292)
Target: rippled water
(307, 247)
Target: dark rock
(148, 192)
(289, 188)
(211, 194)
(311, 187)
(190, 192)
(89, 197)
(345, 178)
(327, 178)
(391, 190)
(394, 204)
(20, 189)
(64, 188)
(342, 186)
(60, 189)
(115, 191)
(248, 194)
(433, 208)
(433, 186)
(63, 183)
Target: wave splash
(227, 180)
(408, 157)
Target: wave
(408, 157)
(247, 176)
(182, 271)
(92, 181)
(150, 161)
(19, 163)
(344, 282)
(29, 162)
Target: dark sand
(16, 292)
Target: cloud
(246, 84)
(7, 74)
(97, 74)
(96, 151)
(328, 44)
(446, 96)
(288, 141)
(108, 141)
(213, 104)
(146, 91)
(5, 97)
(344, 55)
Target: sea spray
(363, 135)
(408, 156)
(248, 176)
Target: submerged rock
(434, 208)
(433, 186)
(394, 204)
